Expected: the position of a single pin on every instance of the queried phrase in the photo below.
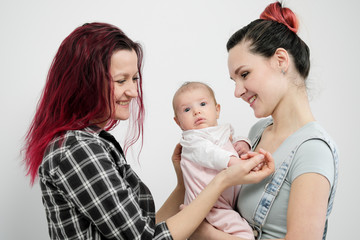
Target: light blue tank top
(315, 155)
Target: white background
(183, 41)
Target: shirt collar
(93, 129)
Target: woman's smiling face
(124, 73)
(258, 80)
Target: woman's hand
(176, 158)
(252, 154)
(243, 173)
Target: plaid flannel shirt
(90, 192)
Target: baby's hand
(241, 147)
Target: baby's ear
(177, 121)
(217, 111)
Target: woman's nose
(239, 89)
(131, 90)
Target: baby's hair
(192, 85)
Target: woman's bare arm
(184, 223)
(307, 207)
(176, 198)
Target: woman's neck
(292, 113)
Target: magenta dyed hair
(78, 90)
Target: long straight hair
(79, 90)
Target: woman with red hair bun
(269, 64)
(88, 189)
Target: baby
(207, 148)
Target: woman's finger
(267, 168)
(177, 153)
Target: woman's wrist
(220, 181)
(233, 160)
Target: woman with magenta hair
(88, 189)
(269, 64)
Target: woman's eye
(244, 74)
(135, 79)
(186, 109)
(120, 81)
(202, 104)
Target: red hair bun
(276, 12)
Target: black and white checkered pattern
(90, 192)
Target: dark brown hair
(275, 29)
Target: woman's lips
(123, 103)
(252, 100)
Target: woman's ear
(282, 59)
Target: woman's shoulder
(70, 142)
(315, 131)
(72, 138)
(317, 152)
(313, 156)
(257, 129)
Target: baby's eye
(202, 104)
(186, 109)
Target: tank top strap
(273, 186)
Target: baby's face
(196, 109)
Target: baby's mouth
(199, 121)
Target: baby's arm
(205, 153)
